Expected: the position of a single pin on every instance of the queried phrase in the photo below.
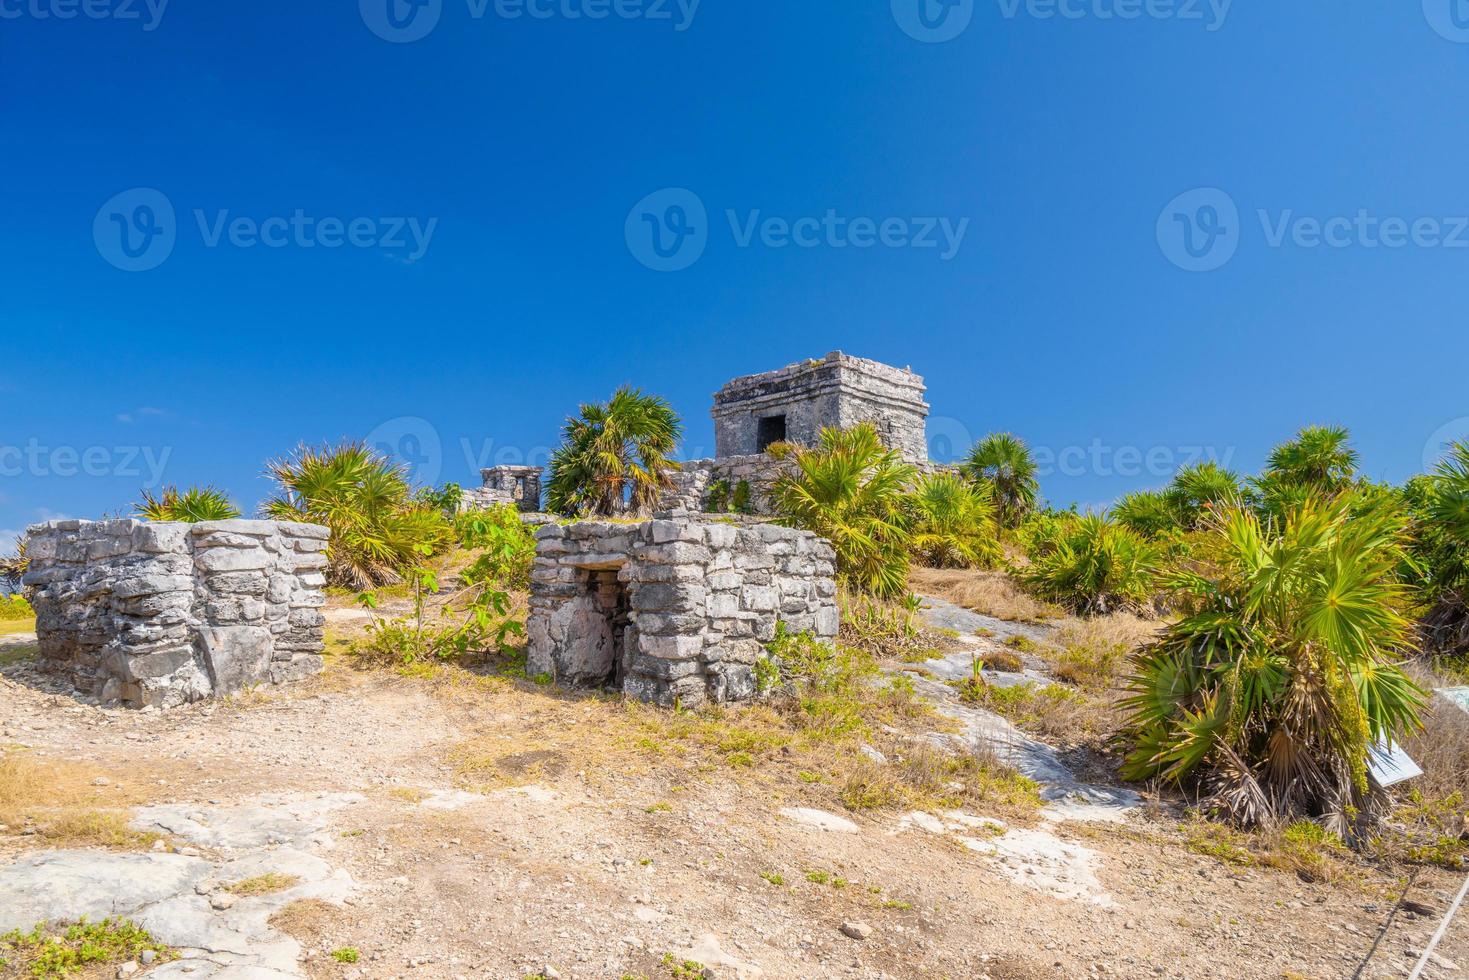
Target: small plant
(718, 499)
(739, 500)
(508, 543)
(659, 807)
(773, 877)
(346, 954)
(191, 506)
(266, 884)
(46, 954)
(683, 969)
(486, 626)
(1022, 644)
(819, 877)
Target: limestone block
(235, 656)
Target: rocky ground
(458, 826)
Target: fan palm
(615, 456)
(953, 523)
(1148, 512)
(1198, 489)
(1005, 463)
(850, 489)
(1440, 501)
(378, 530)
(1094, 565)
(1271, 691)
(190, 506)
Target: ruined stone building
(795, 403)
(518, 485)
(673, 611)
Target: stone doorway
(597, 641)
(772, 430)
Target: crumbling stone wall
(675, 609)
(152, 613)
(695, 481)
(518, 485)
(838, 390)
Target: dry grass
(266, 884)
(1094, 652)
(989, 593)
(11, 626)
(306, 919)
(59, 804)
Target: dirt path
(588, 854)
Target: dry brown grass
(989, 593)
(266, 884)
(58, 803)
(306, 919)
(1094, 652)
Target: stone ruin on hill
(673, 611)
(160, 614)
(518, 485)
(793, 405)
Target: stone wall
(163, 613)
(673, 610)
(518, 485)
(693, 482)
(838, 390)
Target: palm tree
(1440, 502)
(1318, 462)
(850, 490)
(1198, 489)
(191, 506)
(953, 523)
(615, 457)
(1273, 688)
(1094, 565)
(378, 530)
(1005, 463)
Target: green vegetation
(475, 619)
(1283, 672)
(1093, 565)
(13, 566)
(379, 531)
(266, 884)
(191, 506)
(14, 608)
(614, 456)
(952, 523)
(849, 489)
(45, 953)
(346, 954)
(1003, 463)
(507, 543)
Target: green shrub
(614, 456)
(1095, 566)
(850, 490)
(379, 531)
(475, 620)
(43, 953)
(1003, 463)
(191, 506)
(508, 543)
(952, 523)
(15, 607)
(718, 500)
(1284, 671)
(739, 501)
(13, 566)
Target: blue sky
(494, 175)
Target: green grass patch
(70, 949)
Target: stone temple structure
(162, 614)
(518, 485)
(673, 611)
(795, 403)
